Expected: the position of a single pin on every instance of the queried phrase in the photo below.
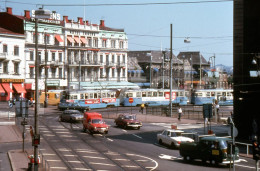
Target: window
(154, 94)
(60, 72)
(47, 39)
(149, 94)
(16, 68)
(89, 42)
(113, 73)
(5, 67)
(123, 72)
(143, 94)
(113, 58)
(138, 94)
(5, 48)
(121, 44)
(31, 72)
(53, 72)
(160, 94)
(16, 50)
(101, 58)
(123, 58)
(129, 94)
(104, 43)
(95, 44)
(118, 59)
(31, 55)
(53, 56)
(113, 44)
(101, 72)
(60, 57)
(46, 56)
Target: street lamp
(39, 14)
(46, 72)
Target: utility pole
(151, 58)
(200, 70)
(171, 73)
(79, 69)
(163, 69)
(46, 72)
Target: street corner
(18, 159)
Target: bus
(205, 96)
(153, 97)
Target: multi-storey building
(12, 66)
(73, 55)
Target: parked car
(210, 148)
(128, 121)
(94, 123)
(71, 116)
(173, 138)
(74, 106)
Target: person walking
(179, 113)
(217, 108)
(142, 108)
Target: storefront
(11, 88)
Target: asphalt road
(64, 145)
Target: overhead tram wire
(130, 4)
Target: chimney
(80, 20)
(65, 18)
(9, 10)
(27, 14)
(102, 23)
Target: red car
(94, 123)
(128, 121)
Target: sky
(208, 25)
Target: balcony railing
(110, 64)
(3, 55)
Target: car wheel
(106, 132)
(138, 127)
(173, 145)
(187, 158)
(213, 162)
(125, 127)
(160, 141)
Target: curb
(10, 160)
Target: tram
(223, 96)
(53, 96)
(93, 98)
(153, 97)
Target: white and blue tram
(153, 97)
(204, 96)
(93, 98)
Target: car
(128, 121)
(71, 116)
(94, 123)
(172, 138)
(74, 106)
(210, 148)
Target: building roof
(195, 55)
(6, 31)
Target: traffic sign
(10, 105)
(131, 100)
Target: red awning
(70, 39)
(7, 87)
(77, 39)
(83, 40)
(58, 38)
(19, 88)
(28, 86)
(1, 89)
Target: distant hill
(228, 69)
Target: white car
(172, 138)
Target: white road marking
(92, 157)
(103, 164)
(164, 156)
(245, 166)
(109, 139)
(124, 130)
(137, 136)
(152, 168)
(58, 168)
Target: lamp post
(171, 73)
(163, 69)
(39, 14)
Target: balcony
(121, 65)
(111, 64)
(3, 56)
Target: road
(65, 145)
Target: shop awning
(83, 40)
(7, 87)
(19, 88)
(2, 89)
(70, 39)
(77, 39)
(57, 37)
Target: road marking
(103, 164)
(92, 157)
(65, 168)
(124, 130)
(122, 159)
(137, 136)
(152, 168)
(245, 166)
(80, 169)
(164, 156)
(109, 139)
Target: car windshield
(222, 144)
(97, 121)
(130, 117)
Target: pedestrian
(179, 113)
(142, 108)
(217, 108)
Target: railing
(245, 144)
